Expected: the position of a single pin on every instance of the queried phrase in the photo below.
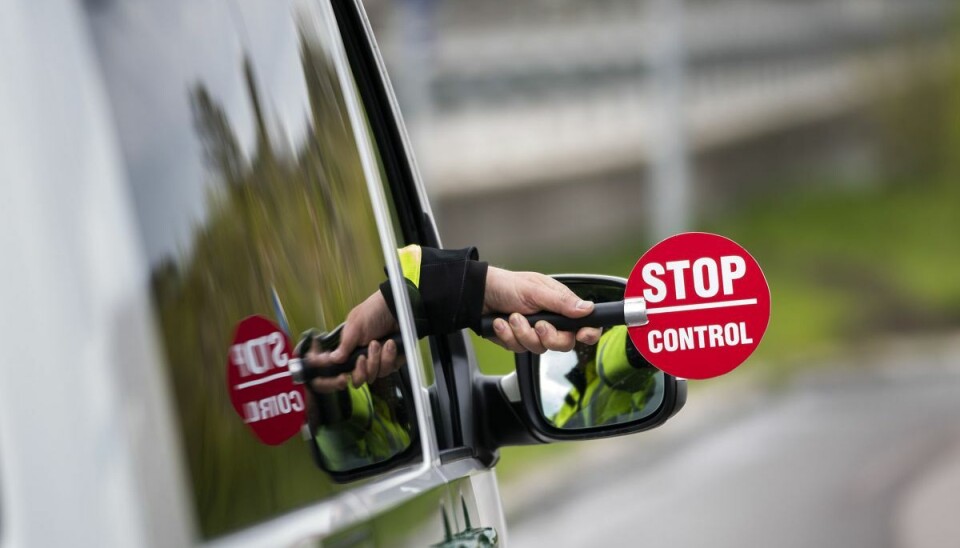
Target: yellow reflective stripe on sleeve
(410, 258)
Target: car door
(261, 185)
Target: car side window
(248, 187)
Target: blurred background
(823, 136)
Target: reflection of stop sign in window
(708, 305)
(261, 388)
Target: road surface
(863, 457)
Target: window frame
(451, 353)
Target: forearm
(446, 288)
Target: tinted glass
(246, 178)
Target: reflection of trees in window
(295, 219)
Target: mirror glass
(598, 385)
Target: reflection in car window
(246, 179)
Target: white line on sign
(264, 380)
(704, 306)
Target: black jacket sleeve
(450, 294)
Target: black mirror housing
(514, 408)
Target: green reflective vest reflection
(357, 427)
(607, 388)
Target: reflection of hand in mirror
(366, 323)
(358, 418)
(519, 293)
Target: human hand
(366, 323)
(519, 293)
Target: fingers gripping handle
(603, 315)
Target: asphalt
(864, 452)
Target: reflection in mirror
(605, 384)
(360, 426)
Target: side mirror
(594, 391)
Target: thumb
(348, 341)
(561, 300)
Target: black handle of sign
(603, 315)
